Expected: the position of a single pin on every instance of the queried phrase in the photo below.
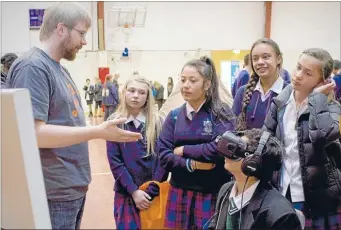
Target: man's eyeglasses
(82, 33)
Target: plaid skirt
(126, 213)
(331, 221)
(188, 209)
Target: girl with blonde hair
(133, 164)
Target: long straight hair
(153, 119)
(207, 70)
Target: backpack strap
(175, 113)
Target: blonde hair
(157, 85)
(153, 119)
(68, 13)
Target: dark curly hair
(8, 59)
(272, 152)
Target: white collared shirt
(276, 87)
(138, 120)
(237, 200)
(291, 169)
(189, 110)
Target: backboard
(120, 16)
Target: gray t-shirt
(55, 100)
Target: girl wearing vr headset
(252, 101)
(305, 118)
(250, 202)
(187, 139)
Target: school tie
(193, 114)
(232, 220)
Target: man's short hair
(68, 13)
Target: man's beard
(69, 53)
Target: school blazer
(267, 209)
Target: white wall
(175, 28)
(17, 37)
(15, 29)
(300, 25)
(192, 25)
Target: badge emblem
(208, 127)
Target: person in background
(115, 81)
(243, 75)
(250, 202)
(305, 118)
(98, 97)
(252, 100)
(153, 89)
(170, 86)
(110, 96)
(89, 95)
(60, 125)
(187, 147)
(6, 62)
(159, 94)
(133, 164)
(337, 79)
(285, 75)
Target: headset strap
(263, 139)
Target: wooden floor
(98, 211)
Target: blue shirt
(242, 79)
(55, 100)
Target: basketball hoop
(126, 29)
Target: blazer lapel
(253, 207)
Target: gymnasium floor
(98, 212)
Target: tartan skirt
(331, 221)
(188, 209)
(126, 213)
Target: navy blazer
(267, 209)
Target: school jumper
(259, 104)
(131, 167)
(242, 79)
(192, 196)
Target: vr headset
(233, 147)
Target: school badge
(208, 127)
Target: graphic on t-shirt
(75, 100)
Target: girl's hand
(179, 151)
(141, 199)
(325, 88)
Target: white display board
(225, 74)
(23, 197)
(229, 71)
